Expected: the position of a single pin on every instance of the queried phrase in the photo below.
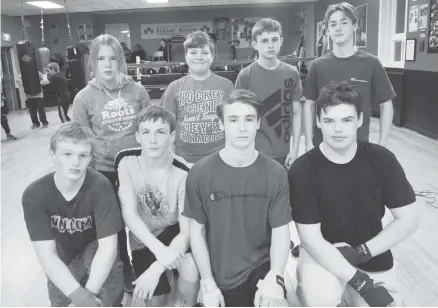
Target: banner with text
(158, 31)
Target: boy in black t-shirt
(73, 218)
(338, 192)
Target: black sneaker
(129, 278)
(10, 136)
(45, 125)
(296, 251)
(35, 126)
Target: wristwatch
(363, 251)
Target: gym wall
(285, 13)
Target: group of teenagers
(209, 180)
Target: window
(392, 32)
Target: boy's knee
(156, 301)
(316, 285)
(188, 270)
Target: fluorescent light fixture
(45, 4)
(125, 31)
(157, 1)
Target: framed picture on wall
(432, 46)
(360, 35)
(85, 33)
(222, 28)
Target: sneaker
(45, 125)
(296, 251)
(129, 278)
(35, 126)
(11, 137)
(68, 118)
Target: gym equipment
(43, 53)
(28, 67)
(374, 295)
(27, 62)
(77, 59)
(43, 58)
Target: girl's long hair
(111, 41)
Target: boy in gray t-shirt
(347, 63)
(278, 86)
(239, 230)
(193, 99)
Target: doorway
(8, 80)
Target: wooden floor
(24, 160)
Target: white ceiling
(12, 7)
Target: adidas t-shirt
(276, 89)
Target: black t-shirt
(349, 199)
(92, 214)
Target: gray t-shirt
(159, 199)
(194, 104)
(276, 89)
(363, 70)
(239, 207)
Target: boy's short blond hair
(74, 133)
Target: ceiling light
(45, 4)
(125, 31)
(157, 1)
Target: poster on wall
(242, 30)
(85, 33)
(413, 18)
(433, 27)
(222, 28)
(159, 31)
(360, 36)
(422, 19)
(320, 31)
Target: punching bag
(76, 67)
(43, 58)
(28, 67)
